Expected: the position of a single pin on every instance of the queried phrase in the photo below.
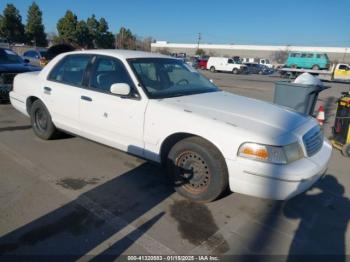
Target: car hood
(253, 116)
(17, 68)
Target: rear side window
(70, 70)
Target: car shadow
(95, 217)
(324, 217)
(15, 128)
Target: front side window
(70, 70)
(164, 78)
(343, 67)
(106, 72)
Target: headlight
(271, 154)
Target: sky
(264, 22)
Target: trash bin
(300, 97)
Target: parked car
(36, 57)
(224, 64)
(161, 109)
(253, 68)
(10, 65)
(202, 64)
(4, 43)
(55, 50)
(261, 61)
(315, 61)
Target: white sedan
(162, 110)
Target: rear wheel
(41, 121)
(212, 69)
(346, 150)
(197, 169)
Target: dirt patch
(197, 225)
(76, 183)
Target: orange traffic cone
(320, 116)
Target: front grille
(313, 140)
(7, 78)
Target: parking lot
(73, 196)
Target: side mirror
(121, 89)
(26, 60)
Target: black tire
(41, 121)
(212, 69)
(346, 150)
(315, 67)
(209, 177)
(235, 71)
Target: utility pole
(199, 39)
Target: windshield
(164, 78)
(9, 57)
(43, 53)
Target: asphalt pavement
(72, 196)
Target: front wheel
(41, 121)
(197, 169)
(235, 71)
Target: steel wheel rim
(41, 120)
(193, 171)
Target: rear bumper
(18, 102)
(279, 182)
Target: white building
(262, 51)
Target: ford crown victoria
(161, 109)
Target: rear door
(62, 91)
(107, 118)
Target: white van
(225, 65)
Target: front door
(110, 119)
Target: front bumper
(5, 89)
(279, 182)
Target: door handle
(47, 89)
(86, 98)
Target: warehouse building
(335, 54)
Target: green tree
(200, 52)
(67, 28)
(35, 30)
(83, 36)
(102, 38)
(105, 39)
(11, 26)
(125, 39)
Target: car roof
(120, 53)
